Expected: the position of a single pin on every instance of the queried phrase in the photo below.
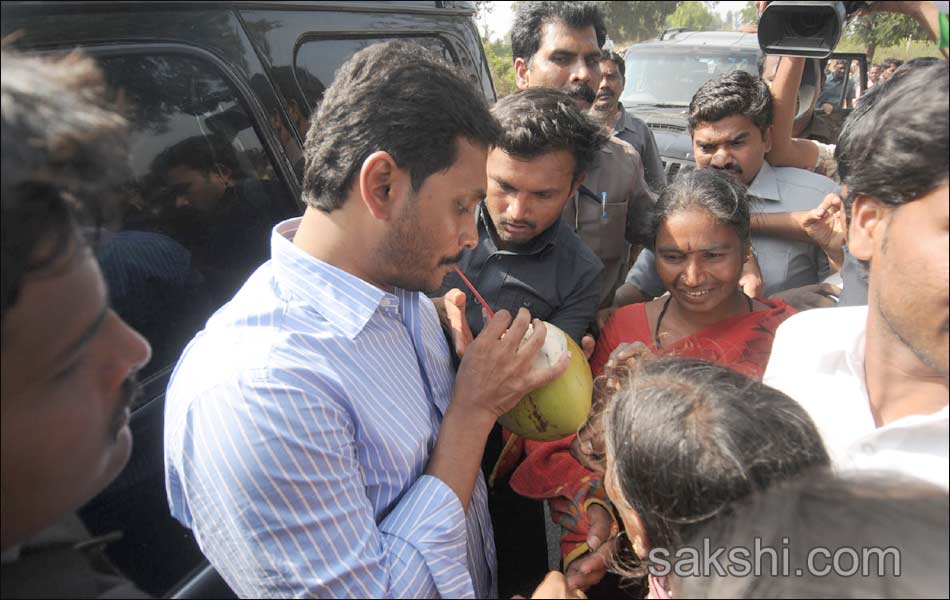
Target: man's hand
(821, 295)
(751, 280)
(590, 568)
(825, 226)
(589, 448)
(497, 367)
(555, 586)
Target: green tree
(695, 16)
(501, 65)
(629, 22)
(749, 15)
(879, 30)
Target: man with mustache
(558, 45)
(874, 378)
(730, 122)
(68, 360)
(624, 125)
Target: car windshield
(670, 77)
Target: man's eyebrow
(720, 246)
(85, 337)
(501, 182)
(741, 137)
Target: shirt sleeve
(579, 308)
(643, 275)
(652, 164)
(278, 503)
(641, 201)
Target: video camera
(802, 28)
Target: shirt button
(867, 448)
(526, 303)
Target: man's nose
(580, 72)
(721, 157)
(469, 237)
(519, 208)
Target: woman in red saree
(700, 232)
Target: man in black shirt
(526, 255)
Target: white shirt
(818, 359)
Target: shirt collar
(623, 122)
(486, 229)
(765, 184)
(344, 300)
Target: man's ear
(868, 222)
(382, 185)
(767, 139)
(521, 73)
(578, 182)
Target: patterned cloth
(298, 426)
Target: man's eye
(738, 143)
(714, 255)
(707, 149)
(671, 257)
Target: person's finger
(588, 345)
(600, 524)
(515, 337)
(586, 571)
(496, 326)
(541, 377)
(828, 289)
(454, 305)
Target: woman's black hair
(706, 189)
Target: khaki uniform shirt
(609, 225)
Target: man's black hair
(887, 62)
(617, 60)
(204, 154)
(735, 93)
(64, 160)
(531, 17)
(395, 97)
(895, 145)
(536, 121)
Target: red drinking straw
(488, 309)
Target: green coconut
(558, 409)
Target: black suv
(663, 74)
(220, 97)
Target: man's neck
(327, 237)
(609, 116)
(899, 383)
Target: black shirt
(555, 276)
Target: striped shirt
(298, 425)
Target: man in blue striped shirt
(317, 441)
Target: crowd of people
(770, 369)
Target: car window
(200, 204)
(317, 61)
(673, 77)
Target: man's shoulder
(814, 341)
(792, 177)
(570, 247)
(620, 147)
